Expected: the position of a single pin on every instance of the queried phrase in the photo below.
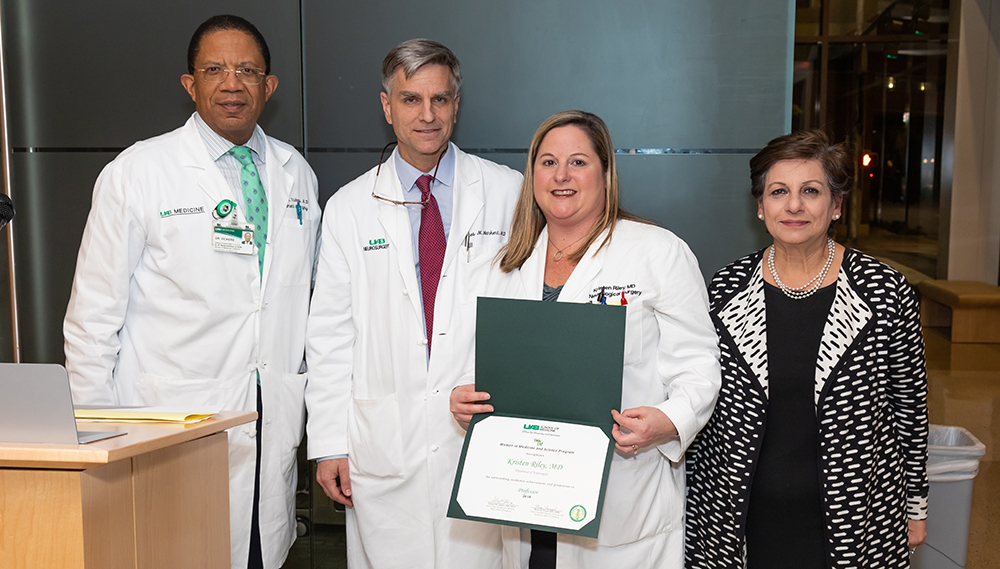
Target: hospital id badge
(229, 238)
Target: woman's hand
(641, 427)
(916, 532)
(464, 404)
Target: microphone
(6, 210)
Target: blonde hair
(528, 219)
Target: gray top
(551, 294)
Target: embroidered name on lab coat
(182, 211)
(614, 294)
(292, 202)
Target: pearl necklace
(810, 287)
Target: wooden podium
(157, 497)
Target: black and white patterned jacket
(870, 397)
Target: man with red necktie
(405, 250)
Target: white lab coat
(671, 363)
(372, 393)
(157, 317)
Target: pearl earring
(760, 216)
(836, 217)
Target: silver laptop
(36, 406)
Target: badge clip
(223, 209)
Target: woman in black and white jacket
(816, 453)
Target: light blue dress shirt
(218, 150)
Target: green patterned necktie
(256, 201)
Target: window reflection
(882, 89)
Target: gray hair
(413, 54)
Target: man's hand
(335, 478)
(464, 403)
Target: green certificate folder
(554, 373)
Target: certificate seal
(577, 513)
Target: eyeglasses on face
(407, 205)
(246, 75)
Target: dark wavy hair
(836, 160)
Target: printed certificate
(540, 473)
(554, 373)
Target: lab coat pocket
(292, 409)
(475, 263)
(639, 502)
(633, 333)
(294, 263)
(374, 438)
(155, 390)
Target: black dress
(785, 523)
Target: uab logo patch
(376, 245)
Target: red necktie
(431, 245)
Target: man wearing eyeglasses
(192, 282)
(406, 249)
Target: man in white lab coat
(192, 282)
(406, 248)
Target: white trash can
(952, 464)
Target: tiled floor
(326, 546)
(964, 384)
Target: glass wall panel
(867, 17)
(806, 87)
(53, 199)
(886, 98)
(680, 81)
(6, 317)
(106, 73)
(848, 17)
(807, 17)
(905, 115)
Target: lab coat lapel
(195, 155)
(468, 198)
(531, 275)
(279, 186)
(395, 220)
(585, 272)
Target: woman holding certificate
(571, 242)
(816, 455)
